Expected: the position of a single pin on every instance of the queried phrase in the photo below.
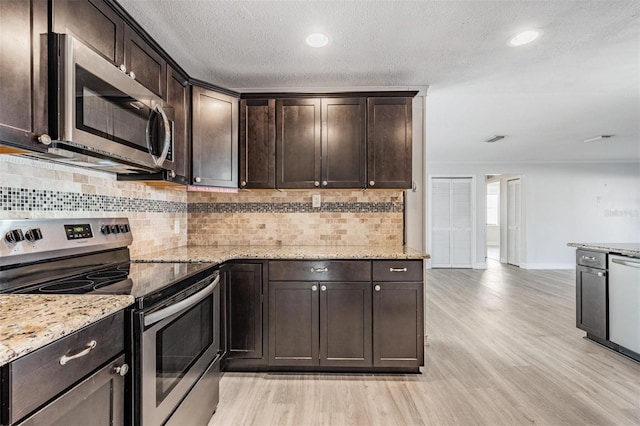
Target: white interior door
(513, 221)
(452, 216)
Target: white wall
(562, 203)
(493, 235)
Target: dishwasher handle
(626, 262)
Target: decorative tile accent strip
(330, 207)
(22, 199)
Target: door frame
(504, 225)
(474, 212)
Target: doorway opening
(493, 218)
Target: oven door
(104, 111)
(179, 342)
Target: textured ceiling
(579, 80)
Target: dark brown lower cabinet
(345, 324)
(97, 400)
(294, 331)
(325, 324)
(398, 337)
(245, 311)
(591, 301)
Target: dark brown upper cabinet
(100, 27)
(389, 142)
(321, 143)
(343, 143)
(95, 23)
(298, 143)
(179, 97)
(23, 76)
(214, 138)
(258, 143)
(143, 63)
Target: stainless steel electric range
(173, 328)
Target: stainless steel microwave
(100, 117)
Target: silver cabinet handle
(316, 183)
(66, 358)
(377, 288)
(314, 287)
(601, 274)
(319, 269)
(44, 139)
(243, 183)
(323, 288)
(132, 75)
(325, 183)
(197, 179)
(630, 263)
(122, 68)
(397, 269)
(589, 258)
(372, 183)
(172, 174)
(122, 370)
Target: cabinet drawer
(397, 270)
(593, 259)
(320, 270)
(39, 376)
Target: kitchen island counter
(29, 321)
(221, 254)
(624, 249)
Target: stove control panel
(26, 240)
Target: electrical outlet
(176, 227)
(315, 201)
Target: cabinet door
(215, 138)
(389, 142)
(298, 143)
(245, 311)
(343, 143)
(147, 66)
(345, 324)
(95, 23)
(591, 301)
(398, 324)
(257, 143)
(178, 98)
(97, 400)
(293, 323)
(23, 73)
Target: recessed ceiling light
(524, 37)
(317, 40)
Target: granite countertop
(625, 249)
(219, 254)
(31, 321)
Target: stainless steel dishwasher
(624, 302)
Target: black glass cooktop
(136, 279)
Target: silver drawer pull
(397, 269)
(65, 359)
(589, 258)
(319, 269)
(601, 274)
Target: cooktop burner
(67, 287)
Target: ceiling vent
(495, 138)
(597, 138)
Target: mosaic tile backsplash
(37, 189)
(344, 217)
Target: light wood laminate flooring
(502, 350)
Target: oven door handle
(181, 305)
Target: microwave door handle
(167, 136)
(181, 305)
